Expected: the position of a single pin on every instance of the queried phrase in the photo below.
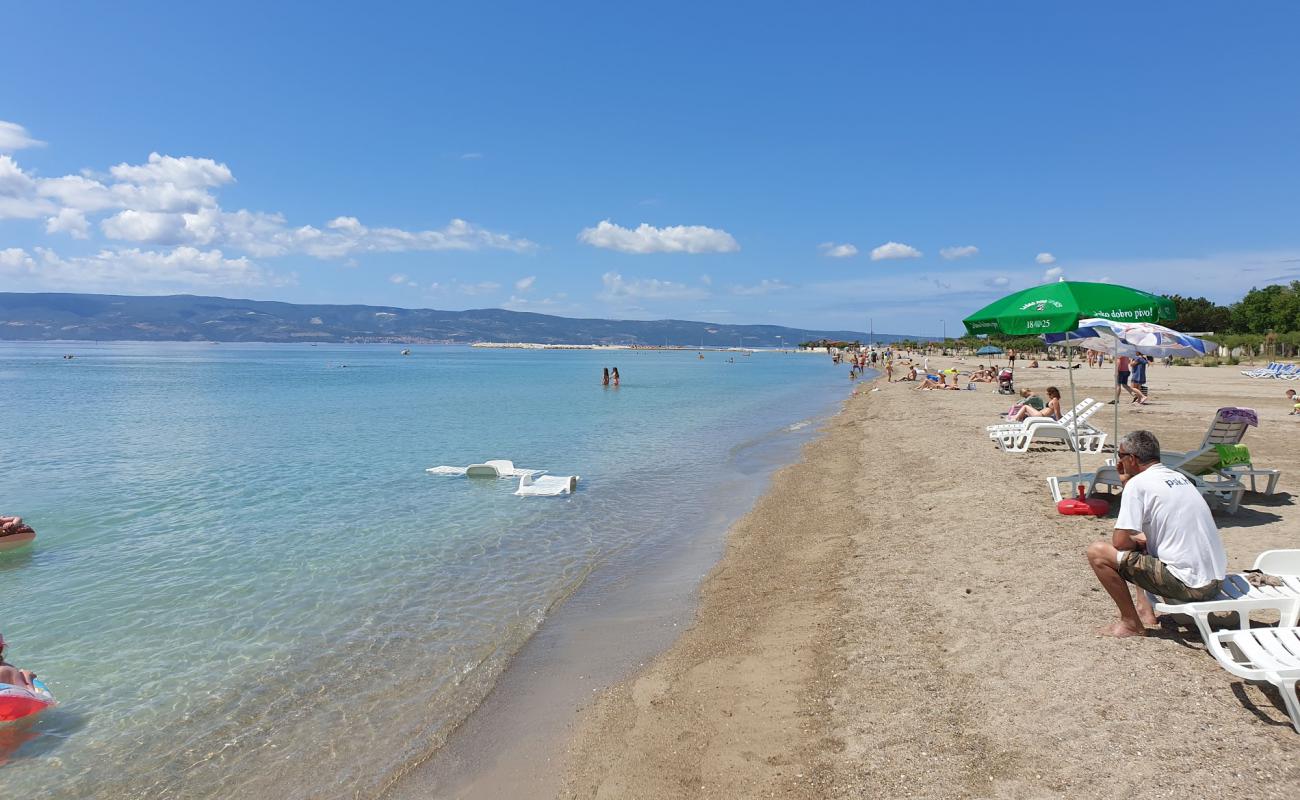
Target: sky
(823, 166)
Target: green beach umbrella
(1058, 307)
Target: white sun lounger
(1077, 433)
(1263, 654)
(546, 485)
(1255, 654)
(1240, 597)
(496, 468)
(997, 431)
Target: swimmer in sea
(22, 678)
(615, 376)
(604, 378)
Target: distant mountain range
(104, 317)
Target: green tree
(1273, 308)
(1201, 314)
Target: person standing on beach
(1121, 381)
(604, 379)
(1165, 539)
(889, 370)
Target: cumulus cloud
(1045, 258)
(890, 250)
(617, 289)
(964, 251)
(148, 270)
(764, 286)
(69, 221)
(14, 137)
(172, 201)
(1051, 274)
(832, 250)
(998, 282)
(525, 284)
(649, 239)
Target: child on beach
(1295, 406)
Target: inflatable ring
(1091, 508)
(17, 702)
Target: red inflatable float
(1091, 508)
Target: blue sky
(815, 166)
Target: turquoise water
(244, 582)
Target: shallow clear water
(244, 582)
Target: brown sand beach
(905, 614)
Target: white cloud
(649, 239)
(890, 250)
(1051, 274)
(832, 250)
(525, 284)
(149, 270)
(14, 137)
(153, 227)
(69, 221)
(170, 201)
(186, 172)
(552, 305)
(964, 251)
(999, 282)
(467, 289)
(1045, 258)
(76, 191)
(399, 279)
(764, 286)
(616, 289)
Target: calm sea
(245, 584)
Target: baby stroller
(1005, 384)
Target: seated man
(10, 674)
(1165, 539)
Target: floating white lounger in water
(546, 485)
(496, 468)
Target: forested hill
(98, 317)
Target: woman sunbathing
(1052, 409)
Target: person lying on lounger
(1165, 539)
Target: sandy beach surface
(905, 614)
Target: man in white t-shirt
(1165, 539)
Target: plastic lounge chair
(495, 468)
(995, 431)
(1238, 597)
(1266, 655)
(1078, 416)
(546, 485)
(1229, 426)
(1077, 434)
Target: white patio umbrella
(1130, 339)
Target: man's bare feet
(1121, 630)
(1148, 618)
